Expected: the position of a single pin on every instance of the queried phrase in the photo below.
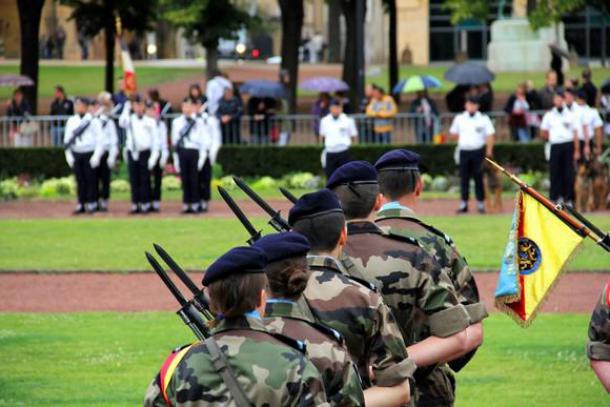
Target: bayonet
(277, 222)
(288, 195)
(254, 234)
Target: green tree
(95, 16)
(206, 22)
(29, 26)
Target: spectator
(160, 104)
(195, 92)
(18, 106)
(61, 106)
(589, 88)
(382, 109)
(260, 111)
(320, 109)
(486, 97)
(547, 93)
(338, 132)
(517, 107)
(60, 41)
(214, 91)
(456, 98)
(229, 112)
(83, 43)
(425, 107)
(366, 123)
(341, 96)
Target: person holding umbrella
(422, 105)
(474, 133)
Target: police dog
(493, 188)
(591, 185)
(583, 186)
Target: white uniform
(560, 125)
(141, 133)
(472, 130)
(214, 90)
(110, 139)
(192, 140)
(208, 128)
(90, 141)
(593, 119)
(337, 132)
(580, 120)
(162, 144)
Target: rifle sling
(77, 133)
(224, 369)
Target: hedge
(278, 161)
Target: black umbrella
(469, 73)
(262, 88)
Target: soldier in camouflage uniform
(288, 274)
(400, 185)
(357, 312)
(270, 369)
(413, 284)
(598, 347)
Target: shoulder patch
(293, 343)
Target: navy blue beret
(399, 159)
(354, 172)
(239, 260)
(280, 246)
(314, 204)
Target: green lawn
(89, 80)
(102, 359)
(118, 244)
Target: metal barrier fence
(44, 131)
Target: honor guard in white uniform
(338, 132)
(110, 142)
(152, 110)
(208, 127)
(189, 156)
(83, 149)
(475, 136)
(593, 122)
(560, 129)
(579, 118)
(141, 152)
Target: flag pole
(569, 216)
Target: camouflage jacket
(325, 349)
(270, 372)
(409, 280)
(371, 334)
(403, 222)
(598, 347)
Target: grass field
(89, 80)
(118, 244)
(104, 359)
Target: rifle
(576, 221)
(254, 234)
(277, 222)
(199, 300)
(288, 195)
(187, 312)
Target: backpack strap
(224, 370)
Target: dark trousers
(336, 160)
(139, 178)
(188, 172)
(102, 182)
(471, 163)
(85, 178)
(205, 181)
(157, 177)
(231, 132)
(561, 167)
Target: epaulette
(388, 233)
(328, 331)
(363, 282)
(434, 230)
(293, 343)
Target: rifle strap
(77, 133)
(224, 369)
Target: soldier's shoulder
(392, 234)
(435, 231)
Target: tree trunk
(334, 31)
(211, 59)
(393, 66)
(109, 36)
(292, 24)
(350, 68)
(29, 23)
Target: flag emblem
(530, 256)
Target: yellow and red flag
(129, 72)
(539, 247)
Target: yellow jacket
(382, 111)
